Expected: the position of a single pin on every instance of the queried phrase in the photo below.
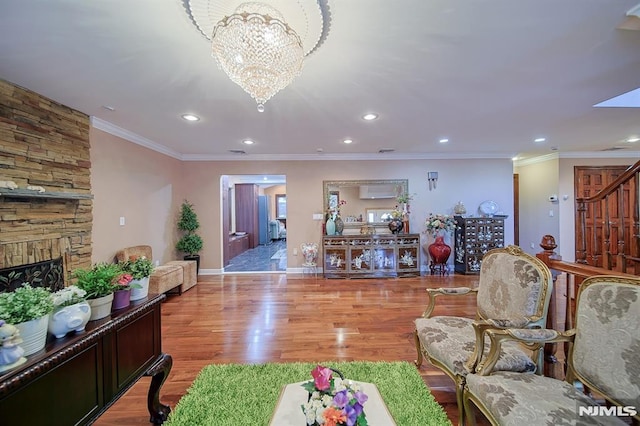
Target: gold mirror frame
(331, 186)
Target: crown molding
(577, 154)
(114, 130)
(342, 157)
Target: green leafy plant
(138, 267)
(404, 198)
(25, 303)
(98, 281)
(190, 242)
(68, 296)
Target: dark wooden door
(604, 242)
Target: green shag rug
(239, 395)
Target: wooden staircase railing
(598, 249)
(625, 262)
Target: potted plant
(140, 269)
(28, 308)
(122, 292)
(71, 312)
(190, 242)
(99, 283)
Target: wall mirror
(363, 200)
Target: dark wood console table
(371, 256)
(77, 378)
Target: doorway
(254, 223)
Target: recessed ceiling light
(633, 139)
(248, 142)
(348, 141)
(444, 140)
(190, 117)
(108, 107)
(370, 116)
(539, 140)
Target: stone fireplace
(46, 144)
(42, 263)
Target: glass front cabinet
(369, 256)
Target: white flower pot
(33, 334)
(140, 293)
(69, 318)
(100, 307)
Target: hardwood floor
(280, 318)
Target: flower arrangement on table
(138, 266)
(334, 212)
(68, 296)
(333, 401)
(437, 223)
(404, 198)
(396, 214)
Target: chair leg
(460, 381)
(469, 412)
(418, 361)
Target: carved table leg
(159, 373)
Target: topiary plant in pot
(190, 242)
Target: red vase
(439, 251)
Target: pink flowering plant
(437, 223)
(333, 401)
(123, 282)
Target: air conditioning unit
(371, 192)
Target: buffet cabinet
(474, 237)
(371, 256)
(78, 377)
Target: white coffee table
(292, 396)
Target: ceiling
(489, 75)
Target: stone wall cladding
(46, 144)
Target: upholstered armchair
(604, 357)
(513, 291)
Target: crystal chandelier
(258, 50)
(261, 47)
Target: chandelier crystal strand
(257, 50)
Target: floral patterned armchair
(513, 291)
(604, 357)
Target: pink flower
(125, 279)
(322, 377)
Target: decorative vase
(459, 208)
(339, 225)
(100, 307)
(330, 226)
(33, 334)
(396, 225)
(310, 253)
(121, 299)
(142, 292)
(439, 251)
(69, 318)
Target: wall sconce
(432, 177)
